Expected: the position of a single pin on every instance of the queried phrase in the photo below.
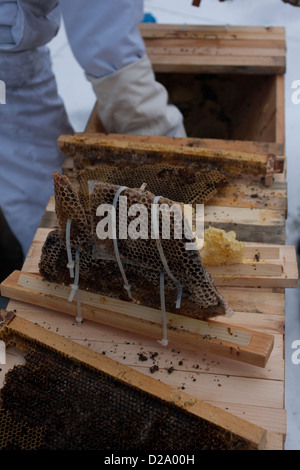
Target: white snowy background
(79, 100)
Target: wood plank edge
(256, 355)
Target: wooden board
(258, 219)
(254, 435)
(215, 336)
(280, 271)
(215, 49)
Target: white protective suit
(105, 39)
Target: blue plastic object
(149, 18)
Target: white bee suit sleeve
(32, 118)
(106, 41)
(131, 101)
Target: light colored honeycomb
(221, 247)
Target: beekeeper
(105, 39)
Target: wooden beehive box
(244, 68)
(228, 81)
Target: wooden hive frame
(253, 57)
(248, 435)
(89, 149)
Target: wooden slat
(236, 47)
(187, 364)
(280, 272)
(215, 337)
(167, 147)
(213, 49)
(265, 252)
(267, 323)
(246, 272)
(200, 48)
(249, 224)
(280, 111)
(255, 435)
(253, 300)
(262, 417)
(126, 347)
(219, 389)
(251, 194)
(228, 32)
(210, 64)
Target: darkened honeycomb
(175, 183)
(142, 263)
(187, 156)
(56, 403)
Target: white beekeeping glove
(131, 101)
(110, 49)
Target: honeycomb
(140, 258)
(53, 402)
(175, 183)
(221, 247)
(16, 435)
(94, 150)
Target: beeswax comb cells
(141, 258)
(67, 397)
